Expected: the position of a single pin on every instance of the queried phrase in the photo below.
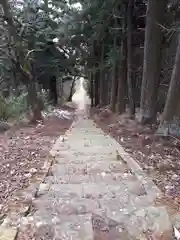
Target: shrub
(13, 107)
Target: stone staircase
(95, 191)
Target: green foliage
(13, 107)
(16, 107)
(36, 25)
(44, 99)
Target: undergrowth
(16, 107)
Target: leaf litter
(24, 149)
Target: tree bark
(121, 96)
(96, 87)
(71, 90)
(114, 89)
(91, 88)
(53, 96)
(102, 93)
(122, 74)
(105, 88)
(9, 18)
(152, 60)
(114, 76)
(129, 59)
(170, 121)
(34, 102)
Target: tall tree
(32, 94)
(170, 121)
(114, 68)
(102, 80)
(122, 71)
(152, 59)
(129, 59)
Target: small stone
(43, 188)
(8, 233)
(33, 170)
(39, 224)
(174, 177)
(24, 210)
(103, 174)
(28, 175)
(55, 220)
(24, 221)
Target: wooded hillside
(129, 50)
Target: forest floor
(159, 157)
(23, 152)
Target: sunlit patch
(81, 99)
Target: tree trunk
(9, 18)
(152, 60)
(91, 88)
(170, 122)
(129, 59)
(31, 86)
(12, 33)
(53, 96)
(34, 102)
(102, 93)
(96, 87)
(60, 90)
(105, 88)
(121, 98)
(122, 74)
(114, 89)
(114, 76)
(109, 84)
(71, 90)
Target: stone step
(74, 154)
(122, 206)
(110, 178)
(119, 207)
(106, 228)
(85, 144)
(85, 152)
(89, 150)
(63, 206)
(66, 158)
(85, 155)
(96, 191)
(154, 220)
(85, 168)
(88, 145)
(148, 222)
(136, 213)
(89, 179)
(67, 227)
(87, 134)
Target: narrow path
(92, 193)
